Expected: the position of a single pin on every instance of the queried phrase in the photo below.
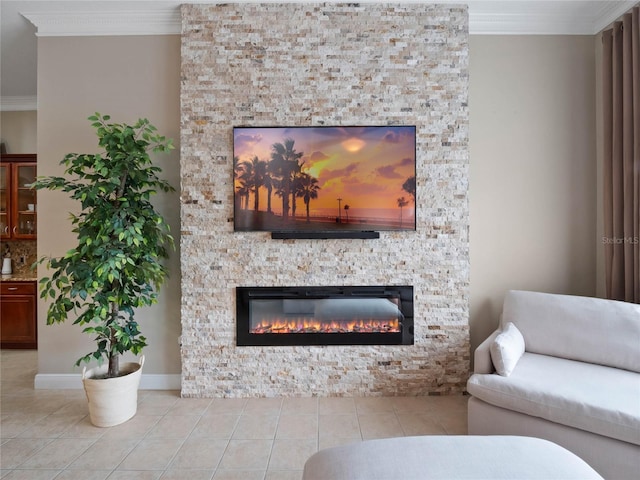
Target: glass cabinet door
(5, 206)
(26, 208)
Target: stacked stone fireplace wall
(312, 65)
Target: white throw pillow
(506, 350)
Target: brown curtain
(621, 171)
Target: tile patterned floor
(46, 434)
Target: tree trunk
(293, 204)
(285, 202)
(114, 357)
(114, 365)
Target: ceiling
(18, 31)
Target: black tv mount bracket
(320, 235)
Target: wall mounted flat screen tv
(324, 179)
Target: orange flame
(306, 325)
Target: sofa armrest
(482, 356)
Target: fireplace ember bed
(354, 315)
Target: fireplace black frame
(245, 294)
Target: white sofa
(575, 378)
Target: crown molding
(611, 12)
(106, 23)
(529, 24)
(18, 103)
(534, 18)
(486, 17)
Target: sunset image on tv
(324, 178)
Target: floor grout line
(165, 409)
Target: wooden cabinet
(5, 200)
(18, 201)
(18, 327)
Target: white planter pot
(112, 401)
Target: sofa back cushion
(605, 332)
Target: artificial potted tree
(116, 266)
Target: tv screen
(296, 179)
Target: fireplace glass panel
(332, 315)
(319, 315)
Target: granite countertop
(26, 276)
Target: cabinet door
(18, 315)
(25, 208)
(5, 202)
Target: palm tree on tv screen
(308, 190)
(296, 192)
(244, 174)
(402, 202)
(256, 171)
(269, 183)
(409, 186)
(346, 212)
(286, 164)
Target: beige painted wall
(18, 131)
(533, 170)
(533, 173)
(128, 78)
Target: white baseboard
(70, 381)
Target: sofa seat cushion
(590, 397)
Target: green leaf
(121, 239)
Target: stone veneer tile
(324, 64)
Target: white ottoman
(448, 457)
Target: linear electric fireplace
(361, 315)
